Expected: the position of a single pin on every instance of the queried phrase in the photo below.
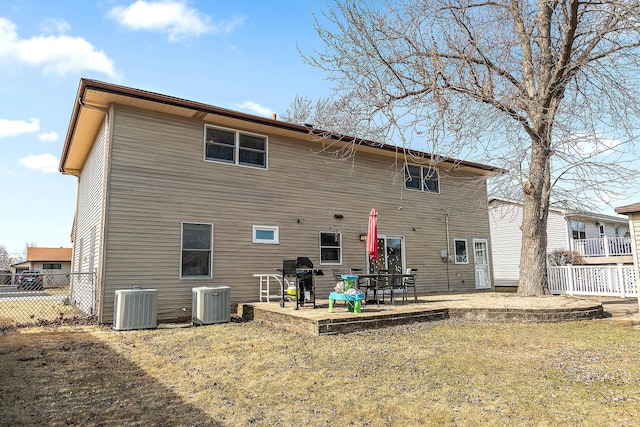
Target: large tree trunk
(535, 211)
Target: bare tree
(546, 88)
(5, 259)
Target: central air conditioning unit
(135, 309)
(211, 305)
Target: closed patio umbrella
(372, 235)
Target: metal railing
(617, 280)
(602, 246)
(46, 298)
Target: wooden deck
(477, 306)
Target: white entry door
(481, 262)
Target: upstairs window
(235, 147)
(421, 178)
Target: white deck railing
(602, 246)
(617, 280)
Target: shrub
(564, 257)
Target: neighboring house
(47, 260)
(175, 194)
(600, 239)
(55, 263)
(633, 212)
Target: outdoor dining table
(391, 276)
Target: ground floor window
(196, 250)
(52, 266)
(266, 234)
(460, 246)
(578, 229)
(330, 248)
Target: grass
(238, 374)
(26, 311)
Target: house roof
(569, 213)
(94, 98)
(48, 254)
(628, 209)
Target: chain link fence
(46, 298)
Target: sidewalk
(621, 308)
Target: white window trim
(466, 249)
(320, 248)
(236, 147)
(274, 228)
(422, 184)
(210, 250)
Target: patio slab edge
(319, 322)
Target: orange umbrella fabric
(372, 235)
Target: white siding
(557, 232)
(506, 239)
(505, 220)
(88, 217)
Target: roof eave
(88, 84)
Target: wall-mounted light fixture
(363, 237)
(338, 216)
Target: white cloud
(589, 145)
(16, 127)
(255, 108)
(54, 54)
(48, 136)
(170, 16)
(45, 163)
(610, 196)
(55, 26)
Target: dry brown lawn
(239, 374)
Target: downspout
(106, 174)
(447, 212)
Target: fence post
(569, 268)
(621, 280)
(606, 245)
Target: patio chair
(358, 272)
(398, 286)
(410, 282)
(384, 283)
(337, 274)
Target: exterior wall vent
(211, 305)
(135, 309)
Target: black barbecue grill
(300, 270)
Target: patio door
(481, 263)
(390, 255)
(395, 254)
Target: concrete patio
(488, 306)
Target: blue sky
(237, 54)
(240, 54)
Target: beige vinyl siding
(634, 230)
(158, 179)
(89, 214)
